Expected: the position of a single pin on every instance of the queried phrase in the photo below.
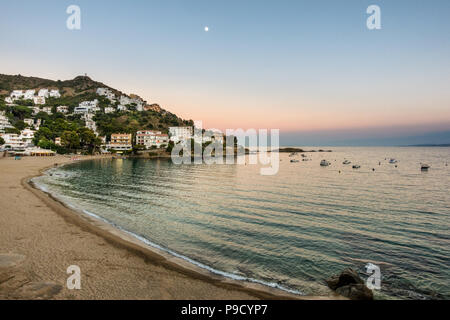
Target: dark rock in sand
(356, 292)
(350, 285)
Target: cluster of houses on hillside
(120, 142)
(38, 99)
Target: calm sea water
(293, 229)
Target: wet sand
(40, 238)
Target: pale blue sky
(310, 68)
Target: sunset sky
(310, 68)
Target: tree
(2, 141)
(170, 146)
(70, 139)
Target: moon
(206, 29)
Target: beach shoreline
(114, 264)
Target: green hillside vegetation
(70, 128)
(74, 136)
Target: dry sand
(40, 238)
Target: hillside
(80, 85)
(83, 88)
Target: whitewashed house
(105, 92)
(13, 141)
(27, 136)
(87, 106)
(8, 100)
(90, 124)
(17, 94)
(62, 109)
(43, 93)
(29, 94)
(81, 110)
(4, 122)
(109, 110)
(54, 93)
(39, 100)
(47, 110)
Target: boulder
(350, 285)
(355, 292)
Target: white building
(81, 110)
(47, 110)
(55, 93)
(29, 122)
(105, 92)
(8, 100)
(124, 100)
(43, 93)
(27, 136)
(121, 108)
(90, 124)
(17, 94)
(91, 104)
(178, 134)
(37, 124)
(109, 110)
(39, 100)
(62, 109)
(4, 122)
(150, 138)
(13, 141)
(86, 107)
(29, 94)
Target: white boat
(346, 162)
(324, 163)
(393, 161)
(356, 166)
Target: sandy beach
(40, 238)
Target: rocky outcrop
(350, 285)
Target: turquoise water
(293, 229)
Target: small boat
(295, 161)
(393, 161)
(346, 162)
(293, 154)
(306, 159)
(324, 163)
(304, 155)
(356, 166)
(424, 166)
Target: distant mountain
(430, 145)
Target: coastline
(118, 265)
